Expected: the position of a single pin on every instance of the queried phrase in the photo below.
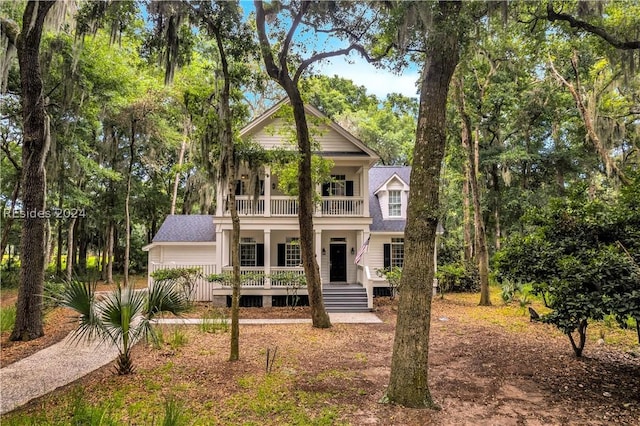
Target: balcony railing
(248, 206)
(284, 206)
(288, 206)
(342, 206)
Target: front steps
(345, 298)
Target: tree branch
(553, 16)
(5, 148)
(324, 55)
(265, 46)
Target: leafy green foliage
(7, 318)
(123, 316)
(393, 275)
(459, 277)
(184, 278)
(581, 255)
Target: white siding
(375, 256)
(185, 254)
(154, 255)
(275, 133)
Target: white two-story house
(359, 225)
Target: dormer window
(395, 203)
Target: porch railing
(281, 270)
(251, 282)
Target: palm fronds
(123, 316)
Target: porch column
(364, 191)
(219, 250)
(267, 195)
(267, 257)
(226, 243)
(319, 250)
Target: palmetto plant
(123, 316)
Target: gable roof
(191, 228)
(378, 176)
(391, 178)
(268, 116)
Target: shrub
(7, 318)
(459, 277)
(9, 278)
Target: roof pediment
(334, 140)
(394, 180)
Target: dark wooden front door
(338, 263)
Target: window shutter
(259, 254)
(281, 254)
(387, 255)
(349, 188)
(325, 189)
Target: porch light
(353, 251)
(324, 252)
(244, 176)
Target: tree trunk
(70, 249)
(36, 140)
(482, 253)
(176, 182)
(466, 216)
(82, 244)
(109, 252)
(408, 383)
(228, 162)
(127, 212)
(319, 316)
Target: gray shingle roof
(377, 177)
(190, 228)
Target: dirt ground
(481, 371)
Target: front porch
(262, 289)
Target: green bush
(10, 278)
(459, 277)
(7, 318)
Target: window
(337, 185)
(395, 203)
(292, 252)
(248, 255)
(397, 252)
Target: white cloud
(378, 82)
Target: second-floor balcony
(288, 206)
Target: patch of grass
(178, 338)
(7, 318)
(174, 413)
(270, 397)
(361, 357)
(213, 321)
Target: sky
(378, 82)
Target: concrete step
(345, 298)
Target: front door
(338, 262)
